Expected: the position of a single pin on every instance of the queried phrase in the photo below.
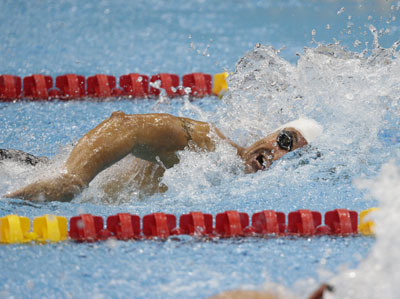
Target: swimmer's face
(261, 154)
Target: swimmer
(154, 140)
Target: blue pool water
(353, 96)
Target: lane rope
(229, 224)
(38, 87)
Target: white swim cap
(309, 128)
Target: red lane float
(342, 222)
(200, 84)
(71, 86)
(167, 82)
(10, 87)
(196, 223)
(159, 225)
(101, 86)
(269, 222)
(231, 224)
(36, 87)
(124, 226)
(135, 85)
(303, 222)
(87, 228)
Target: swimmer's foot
(61, 188)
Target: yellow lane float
(367, 225)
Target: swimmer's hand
(61, 188)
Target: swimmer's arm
(239, 148)
(152, 137)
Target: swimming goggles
(285, 140)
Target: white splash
(353, 95)
(378, 276)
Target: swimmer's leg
(22, 157)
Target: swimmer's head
(286, 138)
(308, 128)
